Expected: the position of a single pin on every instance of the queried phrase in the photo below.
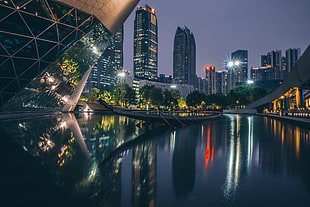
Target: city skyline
(224, 26)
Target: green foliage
(83, 98)
(182, 103)
(70, 69)
(170, 98)
(106, 96)
(145, 94)
(123, 94)
(218, 99)
(196, 99)
(244, 95)
(93, 94)
(156, 96)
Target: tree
(170, 98)
(244, 94)
(93, 94)
(218, 99)
(145, 94)
(257, 93)
(156, 96)
(123, 94)
(106, 96)
(182, 103)
(195, 99)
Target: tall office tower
(118, 49)
(104, 73)
(211, 80)
(273, 60)
(145, 44)
(184, 57)
(240, 59)
(291, 55)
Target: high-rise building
(240, 59)
(105, 71)
(48, 48)
(273, 60)
(291, 55)
(184, 57)
(145, 43)
(211, 80)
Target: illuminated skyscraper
(184, 57)
(104, 73)
(240, 58)
(145, 43)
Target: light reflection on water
(107, 160)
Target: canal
(108, 160)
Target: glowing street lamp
(250, 82)
(236, 63)
(121, 75)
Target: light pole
(121, 76)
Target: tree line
(154, 97)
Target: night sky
(223, 26)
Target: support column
(299, 95)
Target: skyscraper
(110, 63)
(292, 55)
(184, 57)
(145, 43)
(273, 60)
(240, 58)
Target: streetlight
(122, 75)
(233, 63)
(250, 82)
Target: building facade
(184, 57)
(145, 43)
(240, 59)
(105, 72)
(47, 49)
(291, 55)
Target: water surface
(108, 160)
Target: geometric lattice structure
(37, 36)
(32, 36)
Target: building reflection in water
(184, 161)
(240, 153)
(144, 175)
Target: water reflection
(111, 160)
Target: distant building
(165, 79)
(145, 44)
(240, 59)
(291, 56)
(202, 85)
(183, 89)
(261, 73)
(105, 72)
(211, 80)
(273, 60)
(184, 57)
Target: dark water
(107, 160)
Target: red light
(209, 68)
